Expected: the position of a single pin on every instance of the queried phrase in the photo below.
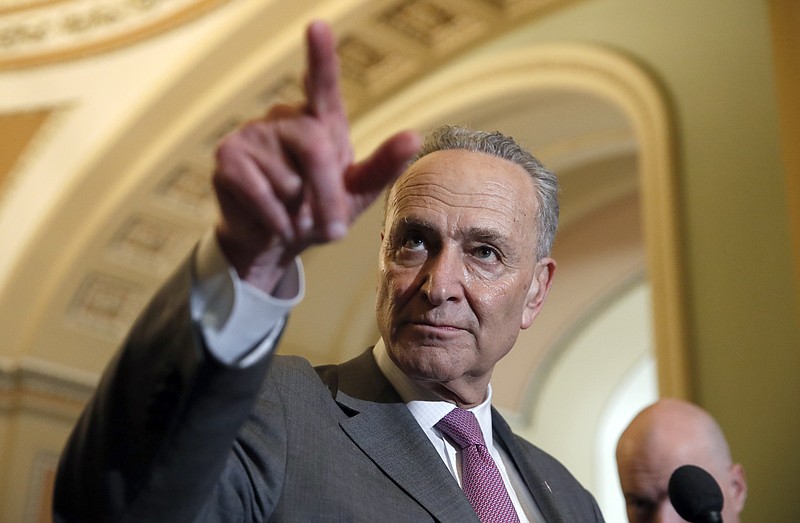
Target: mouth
(434, 328)
(435, 325)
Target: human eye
(486, 253)
(641, 509)
(413, 241)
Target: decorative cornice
(34, 33)
(396, 43)
(33, 387)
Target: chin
(428, 362)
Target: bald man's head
(661, 438)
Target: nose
(443, 277)
(667, 514)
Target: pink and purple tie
(480, 478)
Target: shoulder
(288, 374)
(543, 461)
(539, 467)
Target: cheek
(397, 282)
(394, 289)
(384, 306)
(383, 296)
(499, 308)
(501, 300)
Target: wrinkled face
(645, 473)
(458, 274)
(644, 484)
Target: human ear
(738, 486)
(543, 275)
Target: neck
(465, 396)
(464, 393)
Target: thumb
(366, 179)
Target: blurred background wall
(673, 127)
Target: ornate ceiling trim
(28, 387)
(37, 33)
(15, 6)
(159, 201)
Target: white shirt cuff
(240, 323)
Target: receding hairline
(497, 145)
(674, 415)
(390, 189)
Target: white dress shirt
(428, 408)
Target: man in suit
(662, 437)
(195, 420)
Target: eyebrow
(486, 234)
(482, 234)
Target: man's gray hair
(497, 144)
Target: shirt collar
(426, 407)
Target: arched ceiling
(114, 125)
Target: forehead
(659, 453)
(465, 181)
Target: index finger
(322, 77)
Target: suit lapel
(537, 485)
(383, 428)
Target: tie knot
(462, 426)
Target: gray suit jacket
(171, 435)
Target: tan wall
(785, 19)
(715, 62)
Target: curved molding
(36, 33)
(538, 382)
(37, 386)
(160, 201)
(604, 74)
(118, 235)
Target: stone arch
(603, 74)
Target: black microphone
(695, 495)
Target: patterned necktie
(480, 478)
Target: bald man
(661, 438)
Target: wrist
(262, 265)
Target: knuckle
(229, 148)
(319, 149)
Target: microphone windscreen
(695, 494)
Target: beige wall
(785, 19)
(715, 63)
